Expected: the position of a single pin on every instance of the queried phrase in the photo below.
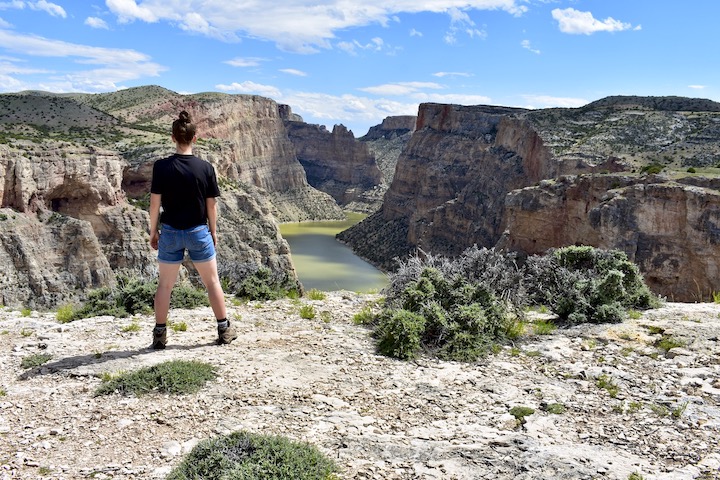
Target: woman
(186, 188)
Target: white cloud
(246, 62)
(697, 87)
(95, 22)
(252, 88)
(4, 24)
(356, 112)
(460, 22)
(15, 4)
(401, 88)
(196, 23)
(576, 22)
(292, 71)
(41, 5)
(128, 10)
(302, 26)
(113, 65)
(451, 74)
(526, 45)
(453, 98)
(51, 8)
(415, 33)
(546, 101)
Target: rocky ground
(608, 401)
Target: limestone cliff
(670, 229)
(75, 172)
(338, 164)
(486, 175)
(450, 181)
(387, 141)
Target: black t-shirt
(185, 182)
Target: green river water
(324, 263)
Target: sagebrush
(460, 308)
(244, 455)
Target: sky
(355, 62)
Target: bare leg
(166, 282)
(209, 275)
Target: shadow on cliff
(71, 363)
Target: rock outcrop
(338, 164)
(387, 141)
(74, 178)
(451, 183)
(670, 229)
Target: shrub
(459, 308)
(307, 312)
(65, 314)
(244, 455)
(584, 284)
(35, 360)
(263, 284)
(133, 295)
(364, 317)
(653, 168)
(450, 316)
(175, 377)
(399, 333)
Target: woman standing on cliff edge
(186, 188)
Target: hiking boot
(226, 335)
(159, 338)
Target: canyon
(639, 174)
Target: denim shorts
(196, 240)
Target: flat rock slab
(320, 381)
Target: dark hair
(183, 129)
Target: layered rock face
(450, 181)
(491, 176)
(336, 163)
(69, 214)
(387, 141)
(670, 229)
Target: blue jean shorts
(196, 240)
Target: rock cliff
(669, 228)
(338, 164)
(75, 172)
(494, 176)
(387, 140)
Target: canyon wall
(338, 164)
(75, 173)
(528, 181)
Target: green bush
(175, 377)
(585, 284)
(451, 317)
(243, 455)
(458, 309)
(263, 284)
(134, 295)
(35, 360)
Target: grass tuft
(174, 377)
(315, 294)
(35, 360)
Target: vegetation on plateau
(251, 456)
(128, 297)
(459, 309)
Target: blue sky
(355, 63)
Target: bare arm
(211, 206)
(154, 219)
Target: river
(323, 263)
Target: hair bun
(184, 117)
